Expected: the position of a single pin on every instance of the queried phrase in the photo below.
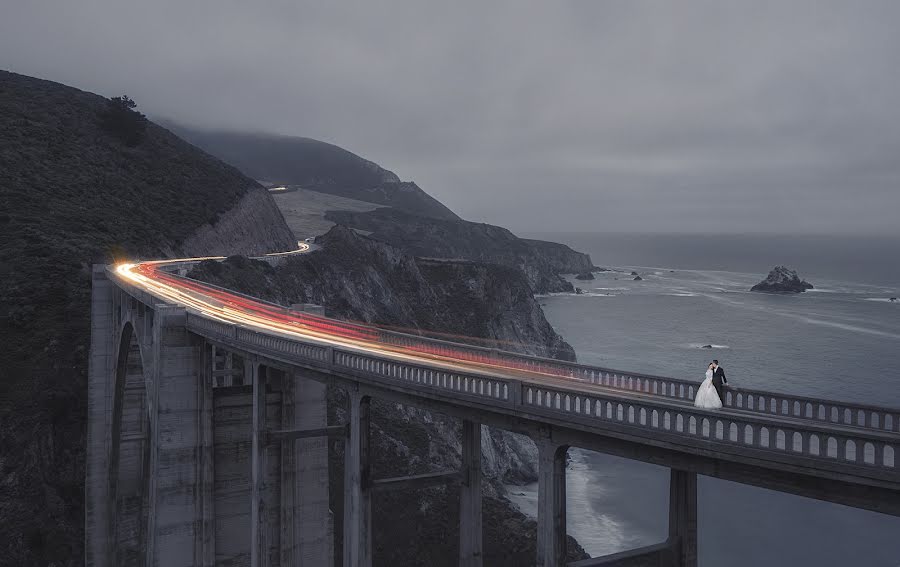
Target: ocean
(841, 340)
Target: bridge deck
(825, 439)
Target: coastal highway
(157, 278)
(222, 305)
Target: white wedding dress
(707, 397)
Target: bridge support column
(207, 545)
(258, 545)
(470, 534)
(305, 515)
(101, 374)
(551, 510)
(683, 516)
(357, 486)
(175, 398)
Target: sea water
(840, 341)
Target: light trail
(232, 308)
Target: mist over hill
(315, 165)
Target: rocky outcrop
(253, 226)
(584, 276)
(541, 262)
(638, 278)
(358, 278)
(782, 280)
(561, 258)
(72, 194)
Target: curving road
(158, 279)
(230, 307)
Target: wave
(882, 299)
(681, 294)
(705, 345)
(573, 294)
(853, 328)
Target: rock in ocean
(782, 280)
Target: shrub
(121, 120)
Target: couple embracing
(711, 392)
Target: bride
(707, 397)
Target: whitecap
(882, 299)
(682, 294)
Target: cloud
(551, 116)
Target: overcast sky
(648, 116)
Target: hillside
(72, 194)
(540, 261)
(315, 165)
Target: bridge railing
(829, 445)
(867, 452)
(757, 401)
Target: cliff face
(72, 194)
(560, 257)
(541, 262)
(253, 226)
(360, 279)
(315, 165)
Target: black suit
(718, 380)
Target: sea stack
(782, 280)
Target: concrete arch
(129, 463)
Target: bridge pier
(258, 523)
(357, 485)
(175, 395)
(470, 534)
(305, 514)
(101, 368)
(683, 517)
(551, 509)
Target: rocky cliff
(73, 194)
(361, 279)
(540, 261)
(782, 280)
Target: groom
(718, 380)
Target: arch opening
(129, 472)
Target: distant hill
(314, 165)
(73, 193)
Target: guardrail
(862, 451)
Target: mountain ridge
(316, 165)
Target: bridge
(207, 435)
